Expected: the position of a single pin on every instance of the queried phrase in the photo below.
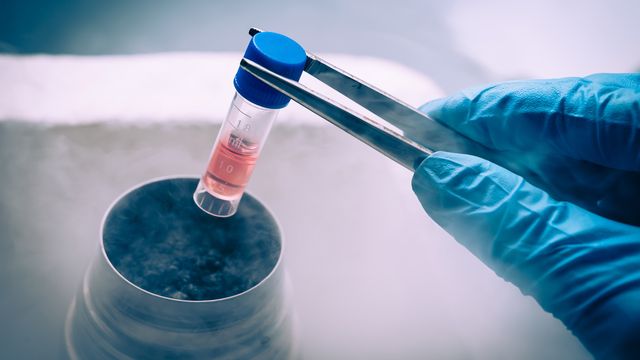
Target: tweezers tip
(253, 31)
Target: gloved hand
(581, 267)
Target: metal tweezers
(401, 147)
(407, 146)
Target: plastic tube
(253, 110)
(234, 156)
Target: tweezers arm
(404, 151)
(414, 124)
(379, 102)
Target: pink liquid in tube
(228, 172)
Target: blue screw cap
(277, 53)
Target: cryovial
(253, 110)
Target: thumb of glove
(579, 266)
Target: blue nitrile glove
(581, 267)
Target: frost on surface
(158, 239)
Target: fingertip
(434, 108)
(452, 187)
(452, 110)
(443, 179)
(458, 110)
(451, 169)
(429, 174)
